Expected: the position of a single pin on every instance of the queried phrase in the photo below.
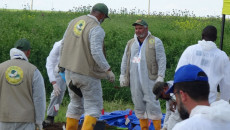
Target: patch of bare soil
(55, 126)
(59, 126)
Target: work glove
(39, 127)
(110, 76)
(159, 79)
(123, 80)
(57, 89)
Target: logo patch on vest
(151, 41)
(14, 75)
(78, 27)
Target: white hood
(16, 53)
(207, 45)
(218, 111)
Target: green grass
(108, 107)
(42, 28)
(117, 105)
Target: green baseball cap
(101, 7)
(140, 22)
(22, 44)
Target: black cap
(158, 89)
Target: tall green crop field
(44, 28)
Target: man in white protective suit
(191, 88)
(143, 64)
(83, 58)
(172, 116)
(212, 60)
(59, 85)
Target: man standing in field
(212, 60)
(85, 65)
(22, 91)
(191, 88)
(143, 64)
(59, 85)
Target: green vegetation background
(177, 31)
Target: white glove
(110, 76)
(159, 79)
(39, 127)
(122, 80)
(57, 89)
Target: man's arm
(167, 114)
(160, 57)
(124, 62)
(224, 83)
(96, 38)
(52, 61)
(184, 59)
(39, 97)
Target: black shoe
(49, 121)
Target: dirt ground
(59, 126)
(55, 126)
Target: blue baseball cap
(187, 73)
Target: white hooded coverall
(214, 117)
(52, 62)
(145, 104)
(92, 102)
(171, 118)
(215, 64)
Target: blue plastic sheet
(118, 118)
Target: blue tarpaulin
(119, 119)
